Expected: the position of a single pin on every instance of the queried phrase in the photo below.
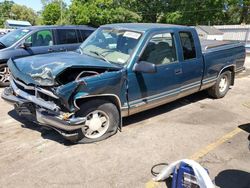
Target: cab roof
(143, 27)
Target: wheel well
(113, 99)
(232, 70)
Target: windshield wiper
(101, 56)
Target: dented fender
(107, 84)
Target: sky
(35, 4)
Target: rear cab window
(66, 36)
(187, 44)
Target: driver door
(146, 90)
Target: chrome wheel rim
(4, 74)
(96, 125)
(223, 84)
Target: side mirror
(26, 45)
(144, 67)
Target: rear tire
(222, 85)
(102, 120)
(4, 75)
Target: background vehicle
(39, 40)
(120, 70)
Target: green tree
(149, 10)
(191, 12)
(5, 11)
(52, 13)
(20, 12)
(245, 12)
(99, 12)
(197, 12)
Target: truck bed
(217, 53)
(214, 45)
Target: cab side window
(160, 49)
(188, 46)
(66, 36)
(41, 38)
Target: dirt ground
(214, 132)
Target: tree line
(10, 10)
(99, 12)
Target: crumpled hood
(57, 62)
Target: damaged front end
(29, 103)
(48, 97)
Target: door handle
(62, 49)
(50, 50)
(178, 71)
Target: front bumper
(45, 113)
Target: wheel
(102, 120)
(4, 75)
(221, 87)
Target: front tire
(4, 75)
(222, 85)
(102, 120)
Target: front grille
(29, 91)
(48, 98)
(32, 91)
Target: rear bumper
(42, 115)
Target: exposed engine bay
(71, 74)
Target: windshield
(13, 36)
(111, 45)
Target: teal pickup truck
(120, 70)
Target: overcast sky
(35, 4)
